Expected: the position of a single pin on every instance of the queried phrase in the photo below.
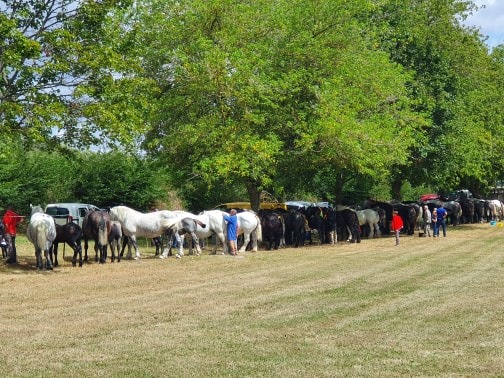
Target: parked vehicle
(69, 212)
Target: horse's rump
(41, 231)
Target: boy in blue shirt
(232, 228)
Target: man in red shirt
(397, 225)
(10, 221)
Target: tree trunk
(338, 188)
(396, 188)
(254, 195)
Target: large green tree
(452, 85)
(250, 90)
(51, 51)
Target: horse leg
(54, 249)
(157, 244)
(334, 237)
(246, 240)
(371, 231)
(253, 238)
(121, 252)
(220, 237)
(113, 246)
(135, 245)
(195, 240)
(47, 255)
(96, 248)
(180, 239)
(103, 254)
(85, 249)
(169, 234)
(77, 251)
(377, 229)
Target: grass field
(429, 307)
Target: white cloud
(490, 20)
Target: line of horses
(276, 229)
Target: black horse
(347, 220)
(408, 213)
(272, 225)
(315, 217)
(295, 224)
(331, 228)
(70, 234)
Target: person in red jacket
(10, 221)
(397, 225)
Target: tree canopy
(292, 97)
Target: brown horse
(96, 226)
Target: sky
(490, 20)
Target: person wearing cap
(232, 234)
(427, 218)
(397, 225)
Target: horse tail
(42, 239)
(102, 232)
(168, 223)
(258, 229)
(199, 223)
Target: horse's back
(247, 220)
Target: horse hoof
(178, 256)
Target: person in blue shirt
(441, 220)
(232, 228)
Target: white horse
(249, 225)
(41, 232)
(135, 223)
(371, 218)
(495, 210)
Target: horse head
(36, 209)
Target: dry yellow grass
(430, 307)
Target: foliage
(248, 88)
(41, 177)
(109, 179)
(50, 51)
(452, 84)
(332, 100)
(36, 177)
